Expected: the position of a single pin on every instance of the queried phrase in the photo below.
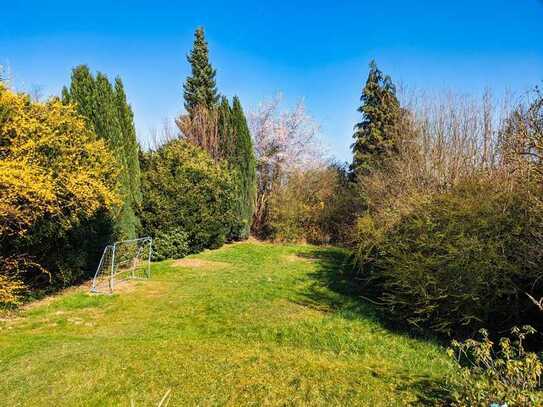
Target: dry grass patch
(199, 263)
(298, 258)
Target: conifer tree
(82, 93)
(375, 136)
(243, 159)
(109, 115)
(225, 129)
(200, 88)
(131, 146)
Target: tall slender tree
(131, 146)
(243, 159)
(225, 129)
(82, 93)
(109, 115)
(200, 88)
(376, 135)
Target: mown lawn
(248, 324)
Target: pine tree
(243, 159)
(375, 136)
(200, 88)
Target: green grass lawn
(248, 324)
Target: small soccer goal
(124, 260)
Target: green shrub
(172, 244)
(184, 188)
(458, 261)
(504, 375)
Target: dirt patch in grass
(199, 263)
(298, 258)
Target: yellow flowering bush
(54, 172)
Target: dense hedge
(184, 189)
(459, 261)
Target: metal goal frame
(118, 264)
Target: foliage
(376, 135)
(241, 159)
(457, 261)
(200, 89)
(184, 188)
(223, 133)
(302, 208)
(54, 175)
(107, 112)
(11, 291)
(505, 374)
(284, 143)
(171, 244)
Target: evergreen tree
(200, 88)
(375, 136)
(225, 129)
(82, 93)
(243, 160)
(131, 146)
(111, 118)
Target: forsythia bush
(54, 174)
(183, 188)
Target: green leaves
(183, 188)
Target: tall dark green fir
(200, 88)
(376, 135)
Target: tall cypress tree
(82, 93)
(111, 118)
(243, 159)
(200, 88)
(376, 135)
(225, 129)
(131, 146)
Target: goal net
(124, 260)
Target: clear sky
(315, 50)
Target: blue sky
(315, 50)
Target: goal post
(123, 260)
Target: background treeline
(73, 178)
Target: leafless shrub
(201, 128)
(446, 139)
(166, 133)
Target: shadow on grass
(334, 289)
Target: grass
(248, 324)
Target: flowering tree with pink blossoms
(285, 142)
